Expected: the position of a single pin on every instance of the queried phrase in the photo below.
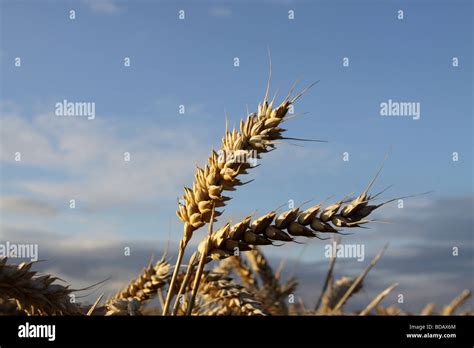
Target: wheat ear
(35, 295)
(257, 134)
(146, 285)
(270, 289)
(238, 265)
(271, 227)
(130, 300)
(227, 297)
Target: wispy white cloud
(26, 206)
(88, 158)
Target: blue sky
(190, 62)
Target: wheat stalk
(185, 282)
(328, 279)
(358, 281)
(428, 309)
(202, 258)
(377, 300)
(458, 301)
(35, 295)
(335, 292)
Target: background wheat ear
(130, 300)
(35, 294)
(220, 295)
(145, 286)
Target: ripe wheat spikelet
(245, 235)
(270, 290)
(219, 294)
(257, 134)
(238, 265)
(375, 302)
(145, 286)
(123, 307)
(35, 295)
(285, 227)
(130, 300)
(225, 297)
(260, 265)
